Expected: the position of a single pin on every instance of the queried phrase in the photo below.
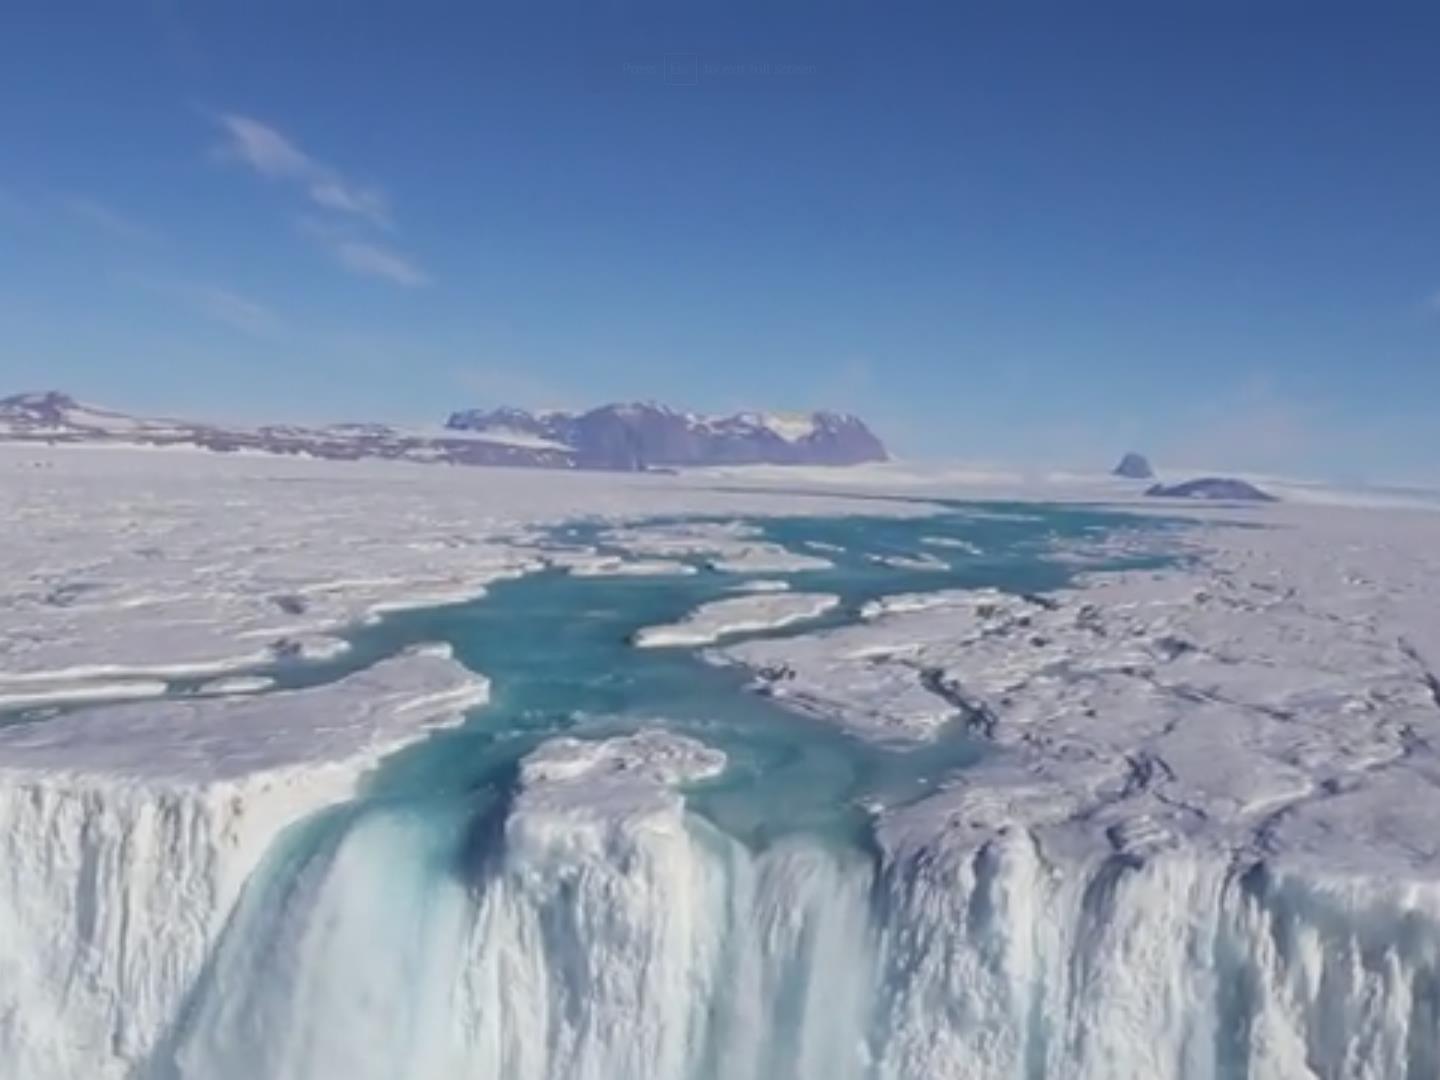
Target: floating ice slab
(920, 562)
(762, 585)
(738, 615)
(953, 543)
(727, 547)
(613, 566)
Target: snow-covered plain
(1201, 843)
(127, 567)
(131, 827)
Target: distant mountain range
(642, 436)
(623, 437)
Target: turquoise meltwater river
(558, 652)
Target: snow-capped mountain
(643, 435)
(624, 437)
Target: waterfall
(590, 926)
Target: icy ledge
(127, 833)
(601, 931)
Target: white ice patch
(613, 566)
(738, 615)
(762, 585)
(952, 543)
(728, 547)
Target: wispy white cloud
(272, 155)
(1433, 301)
(217, 303)
(355, 211)
(235, 310)
(353, 250)
(371, 260)
(108, 220)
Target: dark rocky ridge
(1134, 466)
(1221, 488)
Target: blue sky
(1026, 233)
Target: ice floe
(738, 615)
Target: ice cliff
(596, 929)
(127, 836)
(590, 927)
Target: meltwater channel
(470, 919)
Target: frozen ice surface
(738, 615)
(729, 547)
(1280, 684)
(134, 567)
(1200, 843)
(909, 562)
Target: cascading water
(626, 867)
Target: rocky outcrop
(1134, 466)
(1220, 488)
